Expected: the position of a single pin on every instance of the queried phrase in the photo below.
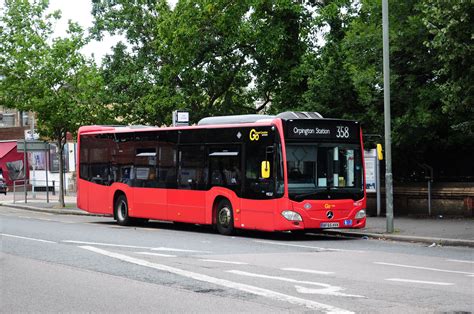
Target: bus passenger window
(191, 168)
(224, 164)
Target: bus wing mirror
(265, 169)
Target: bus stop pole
(24, 169)
(377, 185)
(388, 138)
(47, 169)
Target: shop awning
(6, 147)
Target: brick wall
(13, 133)
(449, 199)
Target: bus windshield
(324, 171)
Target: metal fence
(38, 190)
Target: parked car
(3, 187)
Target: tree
(221, 57)
(46, 75)
(451, 42)
(425, 112)
(331, 91)
(210, 57)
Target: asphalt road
(65, 263)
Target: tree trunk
(61, 169)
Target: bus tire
(224, 218)
(121, 211)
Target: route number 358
(342, 132)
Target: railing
(37, 190)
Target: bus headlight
(360, 214)
(291, 215)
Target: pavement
(438, 230)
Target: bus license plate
(329, 225)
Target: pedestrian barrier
(37, 190)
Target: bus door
(260, 186)
(188, 202)
(225, 170)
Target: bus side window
(224, 165)
(191, 167)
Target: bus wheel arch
(116, 195)
(121, 213)
(223, 216)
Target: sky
(80, 11)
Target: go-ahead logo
(254, 135)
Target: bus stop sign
(31, 146)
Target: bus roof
(209, 122)
(134, 128)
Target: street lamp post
(388, 137)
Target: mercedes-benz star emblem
(330, 214)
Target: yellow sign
(329, 206)
(265, 166)
(255, 135)
(379, 152)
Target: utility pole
(388, 137)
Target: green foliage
(221, 57)
(230, 57)
(46, 75)
(209, 57)
(431, 89)
(452, 43)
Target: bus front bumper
(308, 222)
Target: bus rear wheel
(225, 218)
(121, 211)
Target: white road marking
(460, 261)
(170, 249)
(309, 271)
(25, 217)
(14, 209)
(325, 289)
(422, 282)
(26, 238)
(37, 218)
(426, 268)
(108, 244)
(135, 247)
(222, 282)
(45, 219)
(155, 254)
(308, 247)
(224, 262)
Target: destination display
(337, 130)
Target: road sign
(180, 118)
(31, 146)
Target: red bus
(294, 171)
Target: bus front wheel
(121, 211)
(225, 218)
